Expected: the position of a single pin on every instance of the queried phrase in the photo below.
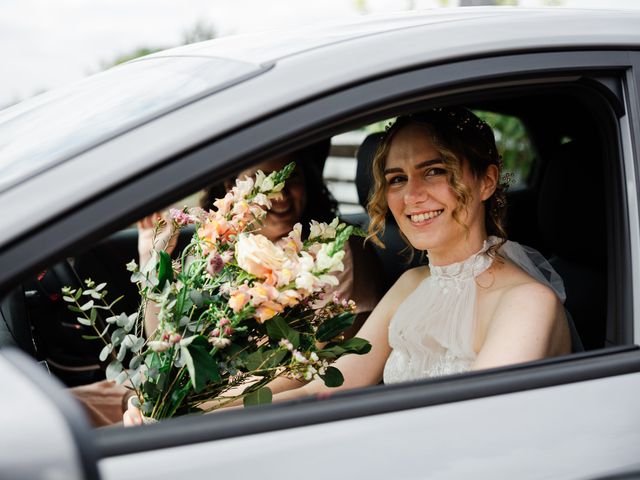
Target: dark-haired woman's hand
(155, 232)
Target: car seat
(571, 217)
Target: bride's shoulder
(514, 284)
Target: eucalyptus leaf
(86, 306)
(104, 353)
(122, 353)
(136, 379)
(113, 370)
(138, 344)
(130, 322)
(117, 336)
(122, 377)
(136, 361)
(84, 321)
(129, 340)
(122, 319)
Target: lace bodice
(432, 331)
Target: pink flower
(215, 263)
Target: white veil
(534, 263)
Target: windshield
(50, 128)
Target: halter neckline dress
(432, 331)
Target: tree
(202, 30)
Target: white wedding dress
(432, 331)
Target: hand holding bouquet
(235, 311)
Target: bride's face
(422, 201)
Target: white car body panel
(525, 435)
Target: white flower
(262, 200)
(300, 358)
(220, 342)
(329, 280)
(260, 176)
(327, 263)
(132, 266)
(243, 188)
(267, 184)
(306, 281)
(322, 230)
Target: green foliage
(259, 397)
(335, 326)
(513, 144)
(332, 377)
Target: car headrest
(364, 170)
(571, 206)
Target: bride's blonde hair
(457, 135)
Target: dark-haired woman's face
(288, 210)
(421, 199)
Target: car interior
(562, 207)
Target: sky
(49, 43)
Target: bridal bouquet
(234, 312)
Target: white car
(80, 164)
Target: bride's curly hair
(457, 135)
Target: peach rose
(257, 255)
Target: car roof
(273, 45)
(285, 68)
